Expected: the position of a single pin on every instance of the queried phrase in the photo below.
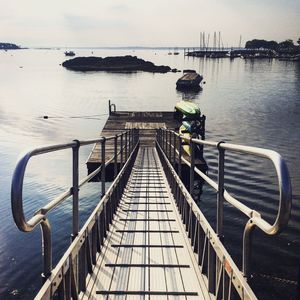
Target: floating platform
(189, 80)
(119, 121)
(146, 122)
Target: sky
(104, 23)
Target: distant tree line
(8, 46)
(272, 45)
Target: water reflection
(189, 94)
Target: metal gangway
(147, 238)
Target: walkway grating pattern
(151, 258)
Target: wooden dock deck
(147, 254)
(146, 122)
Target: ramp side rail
(169, 145)
(126, 150)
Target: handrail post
(247, 247)
(103, 166)
(133, 137)
(47, 249)
(126, 150)
(166, 143)
(170, 146)
(220, 197)
(174, 149)
(192, 175)
(75, 189)
(121, 165)
(129, 140)
(160, 136)
(203, 127)
(116, 155)
(163, 140)
(179, 156)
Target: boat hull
(188, 109)
(189, 80)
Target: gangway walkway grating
(149, 259)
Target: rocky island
(126, 63)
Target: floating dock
(146, 122)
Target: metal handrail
(39, 217)
(218, 260)
(255, 219)
(69, 274)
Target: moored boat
(187, 110)
(70, 53)
(189, 80)
(176, 52)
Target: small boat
(187, 110)
(70, 53)
(176, 52)
(189, 80)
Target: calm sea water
(248, 102)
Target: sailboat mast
(214, 43)
(200, 40)
(207, 45)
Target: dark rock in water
(113, 64)
(175, 70)
(8, 46)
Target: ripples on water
(247, 102)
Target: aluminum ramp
(146, 254)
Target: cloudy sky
(145, 23)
